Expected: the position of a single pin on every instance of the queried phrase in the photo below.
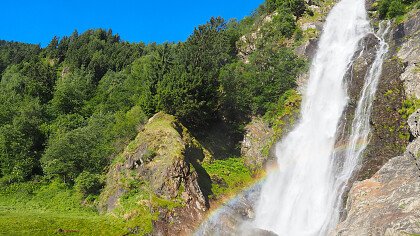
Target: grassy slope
(32, 222)
(229, 176)
(40, 209)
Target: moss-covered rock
(157, 173)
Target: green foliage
(66, 110)
(287, 105)
(395, 8)
(12, 53)
(236, 93)
(88, 184)
(253, 88)
(34, 195)
(408, 107)
(115, 92)
(228, 176)
(189, 90)
(71, 92)
(16, 164)
(21, 139)
(297, 7)
(281, 27)
(63, 124)
(151, 69)
(282, 115)
(35, 79)
(81, 149)
(98, 51)
(284, 23)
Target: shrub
(88, 184)
(391, 8)
(396, 8)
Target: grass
(228, 176)
(34, 222)
(408, 107)
(35, 208)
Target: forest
(66, 109)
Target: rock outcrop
(414, 123)
(389, 202)
(386, 204)
(409, 52)
(164, 159)
(255, 146)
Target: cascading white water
(360, 128)
(301, 197)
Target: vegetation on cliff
(394, 8)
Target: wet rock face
(235, 217)
(355, 79)
(308, 48)
(413, 149)
(387, 125)
(356, 75)
(389, 130)
(386, 204)
(400, 79)
(260, 232)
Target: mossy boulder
(163, 162)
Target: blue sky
(147, 21)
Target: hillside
(99, 136)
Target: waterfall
(359, 135)
(304, 196)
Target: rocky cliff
(386, 200)
(389, 202)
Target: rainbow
(216, 212)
